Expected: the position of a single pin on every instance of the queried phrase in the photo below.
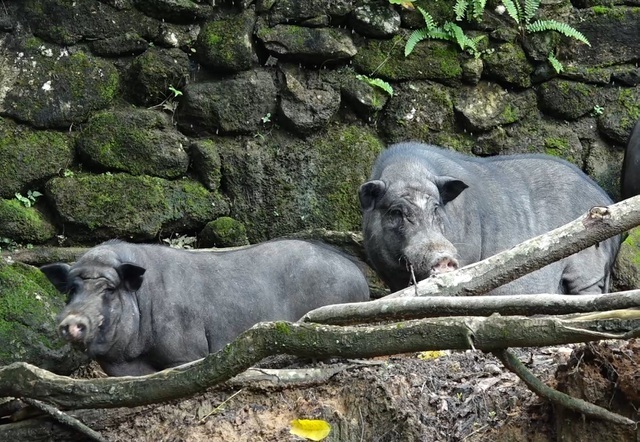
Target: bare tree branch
(512, 362)
(66, 419)
(483, 276)
(307, 340)
(403, 308)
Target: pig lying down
(434, 210)
(138, 309)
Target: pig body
(433, 210)
(138, 309)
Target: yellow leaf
(426, 355)
(313, 429)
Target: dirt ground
(457, 396)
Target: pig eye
(396, 213)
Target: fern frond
(416, 37)
(530, 9)
(513, 9)
(377, 82)
(478, 9)
(555, 63)
(428, 20)
(460, 8)
(440, 34)
(563, 28)
(457, 35)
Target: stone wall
(145, 119)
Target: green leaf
(513, 9)
(555, 63)
(377, 82)
(460, 8)
(563, 28)
(478, 9)
(416, 37)
(428, 20)
(530, 9)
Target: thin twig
(65, 419)
(221, 405)
(512, 362)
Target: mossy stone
(28, 307)
(137, 141)
(23, 224)
(151, 74)
(627, 265)
(430, 60)
(206, 162)
(60, 90)
(223, 232)
(226, 44)
(279, 185)
(96, 207)
(28, 157)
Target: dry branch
(308, 340)
(403, 308)
(512, 362)
(481, 277)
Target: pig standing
(138, 309)
(434, 210)
(630, 180)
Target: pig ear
(449, 188)
(131, 276)
(58, 274)
(370, 192)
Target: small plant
(597, 110)
(30, 199)
(266, 119)
(181, 242)
(523, 16)
(67, 173)
(449, 31)
(170, 103)
(377, 82)
(7, 244)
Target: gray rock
(567, 99)
(304, 106)
(296, 11)
(375, 20)
(227, 44)
(488, 105)
(150, 75)
(418, 110)
(308, 45)
(175, 11)
(508, 64)
(54, 88)
(223, 232)
(127, 44)
(233, 105)
(627, 265)
(206, 162)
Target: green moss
(25, 301)
(282, 327)
(225, 232)
(23, 224)
(612, 13)
(632, 242)
(121, 205)
(447, 58)
(28, 156)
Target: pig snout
(443, 263)
(74, 328)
